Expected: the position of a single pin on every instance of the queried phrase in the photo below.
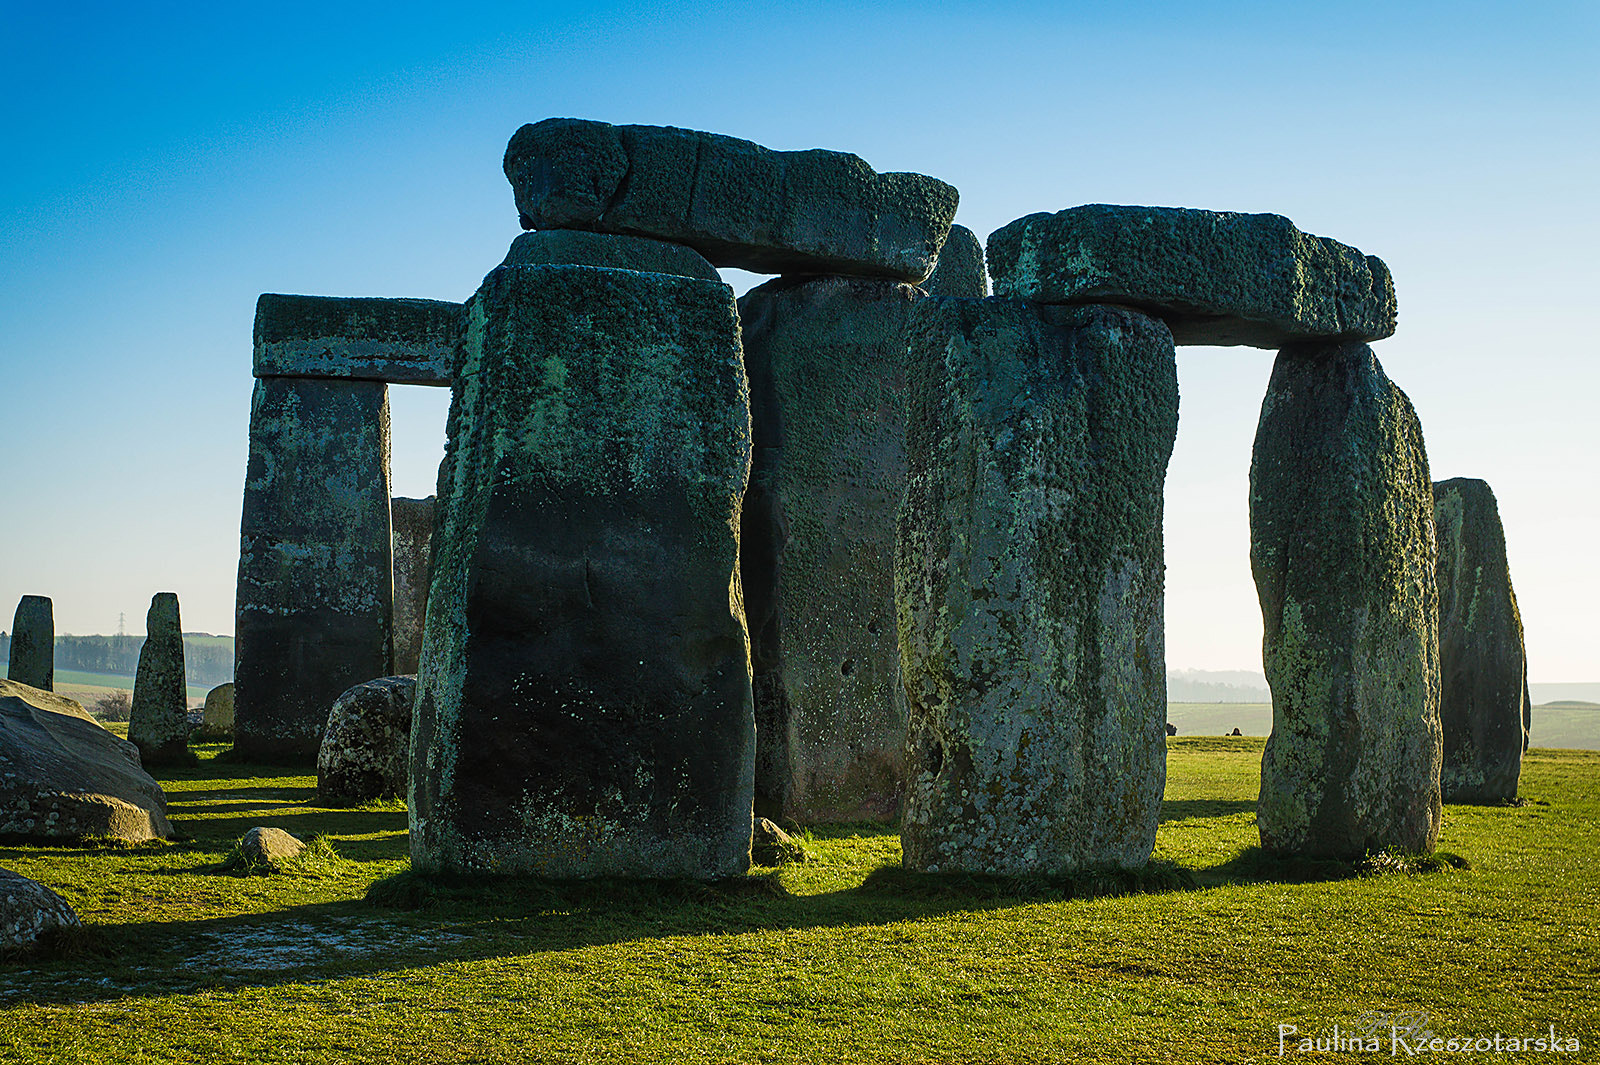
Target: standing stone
(572, 247)
(367, 743)
(1482, 665)
(826, 359)
(315, 566)
(33, 644)
(959, 273)
(158, 724)
(584, 698)
(412, 521)
(1028, 576)
(1342, 548)
(216, 720)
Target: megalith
(1482, 664)
(412, 533)
(33, 643)
(158, 724)
(733, 201)
(1028, 581)
(584, 702)
(315, 590)
(960, 272)
(216, 719)
(826, 358)
(367, 743)
(1342, 549)
(573, 247)
(1215, 277)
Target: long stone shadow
(1189, 809)
(301, 822)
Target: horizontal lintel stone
(402, 341)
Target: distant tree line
(207, 661)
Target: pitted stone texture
(573, 247)
(63, 777)
(33, 643)
(1214, 277)
(1482, 664)
(29, 912)
(826, 360)
(316, 573)
(584, 695)
(737, 203)
(960, 272)
(1028, 577)
(405, 341)
(216, 720)
(412, 523)
(367, 743)
(158, 724)
(1342, 548)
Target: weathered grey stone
(1482, 665)
(412, 523)
(1342, 548)
(367, 743)
(584, 694)
(316, 580)
(158, 724)
(1028, 577)
(771, 845)
(959, 273)
(33, 643)
(573, 247)
(267, 850)
(826, 360)
(29, 912)
(737, 203)
(404, 341)
(63, 777)
(1214, 277)
(216, 720)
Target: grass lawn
(1570, 725)
(840, 959)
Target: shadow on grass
(1187, 809)
(1257, 866)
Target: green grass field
(841, 959)
(83, 686)
(1554, 725)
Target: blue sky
(166, 163)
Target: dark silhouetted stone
(584, 695)
(737, 203)
(1028, 576)
(1213, 276)
(367, 743)
(400, 340)
(29, 913)
(316, 577)
(63, 777)
(960, 272)
(159, 722)
(412, 523)
(1341, 545)
(1482, 664)
(33, 643)
(573, 247)
(827, 382)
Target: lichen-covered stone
(1028, 579)
(216, 719)
(367, 744)
(315, 594)
(29, 912)
(735, 202)
(33, 643)
(405, 341)
(412, 523)
(1342, 548)
(826, 360)
(158, 724)
(574, 247)
(960, 272)
(1482, 664)
(584, 698)
(1215, 277)
(63, 777)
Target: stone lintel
(401, 341)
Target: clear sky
(163, 164)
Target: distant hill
(1556, 693)
(1216, 686)
(207, 659)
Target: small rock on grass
(29, 911)
(266, 850)
(771, 845)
